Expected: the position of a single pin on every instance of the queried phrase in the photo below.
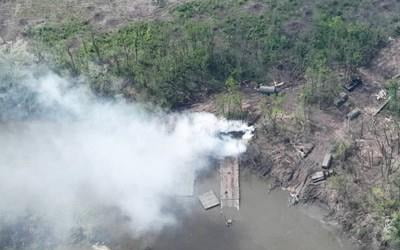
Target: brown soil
(17, 16)
(387, 63)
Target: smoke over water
(64, 152)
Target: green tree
(230, 103)
(345, 43)
(273, 112)
(321, 84)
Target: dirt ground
(18, 15)
(388, 61)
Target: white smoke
(78, 150)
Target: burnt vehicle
(353, 84)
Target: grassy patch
(176, 62)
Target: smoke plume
(65, 151)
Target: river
(264, 222)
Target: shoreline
(264, 221)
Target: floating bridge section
(229, 173)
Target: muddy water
(264, 222)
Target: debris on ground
(396, 76)
(353, 114)
(329, 172)
(341, 99)
(293, 198)
(382, 95)
(304, 149)
(209, 200)
(229, 222)
(100, 247)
